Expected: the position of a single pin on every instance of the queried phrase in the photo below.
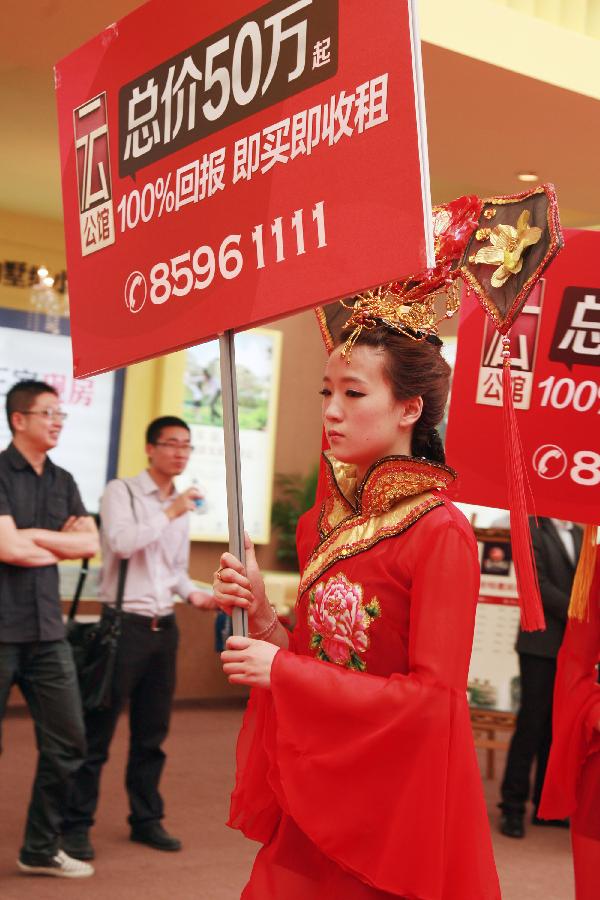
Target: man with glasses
(42, 521)
(145, 521)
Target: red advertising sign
(555, 345)
(227, 164)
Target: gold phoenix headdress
(499, 248)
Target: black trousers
(533, 734)
(144, 677)
(45, 674)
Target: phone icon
(135, 292)
(550, 461)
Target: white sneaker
(61, 865)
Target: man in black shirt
(42, 521)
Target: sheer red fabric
(572, 784)
(359, 775)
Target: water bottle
(199, 502)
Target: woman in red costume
(356, 765)
(572, 784)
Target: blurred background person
(42, 521)
(150, 527)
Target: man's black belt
(152, 623)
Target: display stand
(485, 724)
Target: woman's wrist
(261, 615)
(262, 626)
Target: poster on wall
(242, 162)
(493, 681)
(257, 355)
(89, 441)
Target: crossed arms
(31, 547)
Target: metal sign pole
(417, 66)
(231, 438)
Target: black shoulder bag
(95, 644)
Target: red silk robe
(572, 783)
(357, 771)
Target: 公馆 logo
(96, 218)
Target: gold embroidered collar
(388, 482)
(394, 494)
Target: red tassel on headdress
(532, 612)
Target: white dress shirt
(158, 548)
(565, 533)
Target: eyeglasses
(57, 414)
(175, 445)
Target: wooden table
(486, 724)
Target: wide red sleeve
(572, 783)
(380, 773)
(576, 712)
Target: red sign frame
(175, 251)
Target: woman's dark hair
(415, 369)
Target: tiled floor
(215, 861)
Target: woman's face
(362, 419)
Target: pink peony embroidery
(340, 621)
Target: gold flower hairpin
(507, 247)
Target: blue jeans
(46, 676)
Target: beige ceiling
(485, 123)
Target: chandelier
(48, 302)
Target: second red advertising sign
(555, 345)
